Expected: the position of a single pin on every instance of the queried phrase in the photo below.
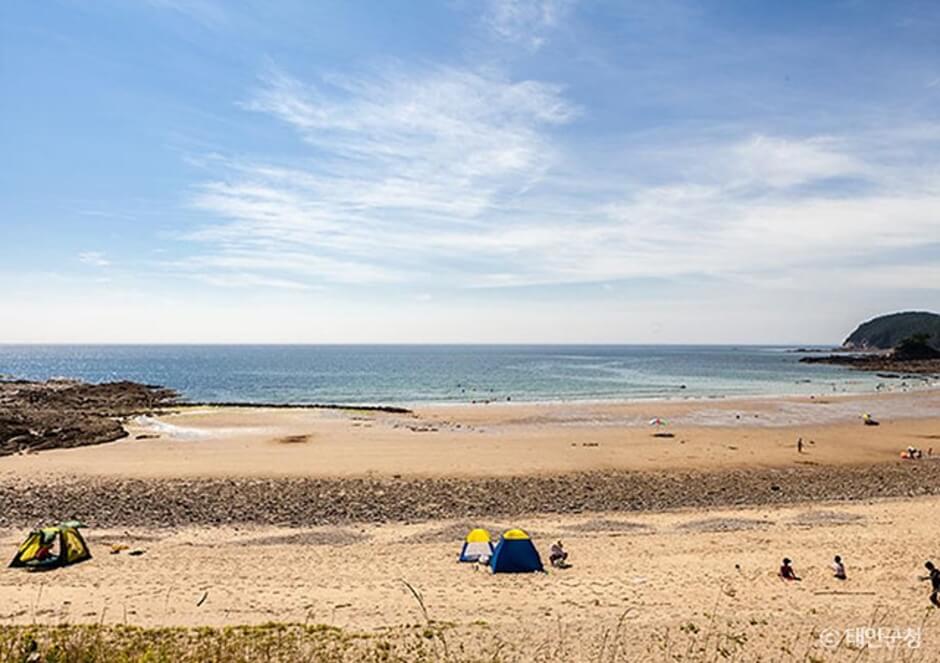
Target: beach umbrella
(656, 421)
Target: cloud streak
(460, 178)
(93, 258)
(524, 22)
(393, 159)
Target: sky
(521, 171)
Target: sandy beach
(252, 515)
(678, 578)
(504, 439)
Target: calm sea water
(460, 373)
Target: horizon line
(402, 344)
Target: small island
(907, 342)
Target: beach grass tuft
(231, 644)
(714, 640)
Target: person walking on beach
(786, 570)
(838, 568)
(799, 445)
(934, 579)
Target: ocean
(412, 374)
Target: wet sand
(503, 440)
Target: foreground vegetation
(711, 641)
(271, 642)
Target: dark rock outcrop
(882, 363)
(65, 413)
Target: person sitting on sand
(838, 568)
(557, 554)
(786, 571)
(934, 579)
(44, 552)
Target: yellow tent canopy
(515, 534)
(476, 546)
(478, 536)
(52, 547)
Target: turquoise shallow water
(440, 373)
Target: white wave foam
(155, 426)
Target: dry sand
(651, 582)
(658, 572)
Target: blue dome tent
(515, 554)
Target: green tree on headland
(916, 346)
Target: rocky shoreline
(172, 503)
(56, 414)
(67, 413)
(883, 363)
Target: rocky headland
(905, 343)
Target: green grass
(270, 642)
(711, 639)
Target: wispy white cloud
(779, 162)
(428, 116)
(93, 258)
(453, 177)
(525, 22)
(395, 159)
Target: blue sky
(521, 171)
